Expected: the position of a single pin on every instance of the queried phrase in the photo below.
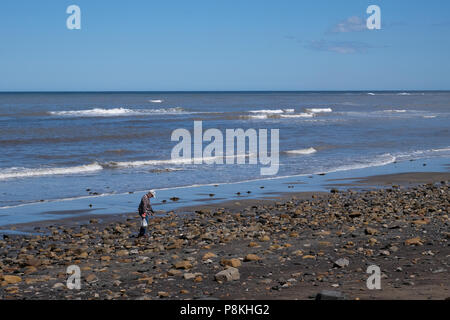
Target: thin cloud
(352, 24)
(342, 47)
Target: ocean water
(59, 146)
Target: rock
(58, 286)
(209, 255)
(414, 241)
(371, 231)
(163, 294)
(421, 222)
(149, 280)
(231, 262)
(91, 278)
(83, 255)
(122, 253)
(33, 262)
(330, 295)
(12, 279)
(173, 272)
(183, 265)
(341, 263)
(190, 276)
(354, 214)
(251, 257)
(105, 258)
(229, 274)
(29, 270)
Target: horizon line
(217, 91)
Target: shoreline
(286, 248)
(173, 199)
(406, 179)
(296, 263)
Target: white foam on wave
(362, 164)
(419, 154)
(318, 110)
(27, 172)
(156, 101)
(15, 172)
(371, 94)
(302, 151)
(276, 111)
(99, 112)
(257, 116)
(276, 114)
(142, 163)
(403, 94)
(395, 111)
(297, 115)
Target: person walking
(145, 209)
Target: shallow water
(56, 146)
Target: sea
(62, 151)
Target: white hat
(153, 192)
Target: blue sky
(224, 45)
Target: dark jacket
(144, 206)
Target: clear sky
(224, 45)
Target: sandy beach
(292, 247)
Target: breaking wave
(114, 112)
(318, 110)
(26, 172)
(302, 151)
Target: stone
(29, 270)
(209, 255)
(230, 274)
(58, 286)
(91, 278)
(12, 279)
(173, 272)
(297, 253)
(149, 280)
(355, 214)
(122, 253)
(183, 265)
(341, 263)
(252, 257)
(330, 295)
(371, 231)
(188, 276)
(414, 241)
(231, 262)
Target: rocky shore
(285, 249)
